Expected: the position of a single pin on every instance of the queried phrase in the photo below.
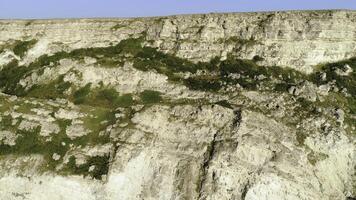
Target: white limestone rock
(232, 144)
(8, 138)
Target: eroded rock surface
(243, 106)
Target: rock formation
(244, 106)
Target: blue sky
(135, 8)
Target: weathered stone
(56, 156)
(253, 143)
(344, 71)
(8, 138)
(339, 114)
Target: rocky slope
(246, 106)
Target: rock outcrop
(295, 39)
(245, 106)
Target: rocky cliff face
(295, 39)
(246, 106)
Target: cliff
(295, 39)
(246, 106)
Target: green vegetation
(96, 122)
(147, 58)
(31, 142)
(10, 76)
(26, 143)
(81, 94)
(54, 89)
(300, 136)
(216, 71)
(117, 27)
(102, 97)
(216, 74)
(4, 106)
(129, 46)
(348, 82)
(100, 163)
(12, 73)
(112, 98)
(150, 97)
(29, 22)
(240, 41)
(248, 72)
(204, 82)
(5, 122)
(314, 157)
(21, 47)
(100, 104)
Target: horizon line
(173, 15)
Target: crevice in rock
(112, 157)
(244, 191)
(237, 119)
(211, 150)
(205, 166)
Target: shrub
(21, 47)
(81, 94)
(101, 164)
(10, 75)
(52, 90)
(348, 82)
(112, 98)
(150, 97)
(205, 83)
(124, 101)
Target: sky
(44, 9)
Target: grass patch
(102, 97)
(204, 83)
(21, 47)
(112, 98)
(10, 76)
(149, 58)
(217, 72)
(248, 72)
(117, 27)
(96, 122)
(30, 142)
(81, 95)
(348, 82)
(26, 143)
(237, 40)
(54, 89)
(150, 97)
